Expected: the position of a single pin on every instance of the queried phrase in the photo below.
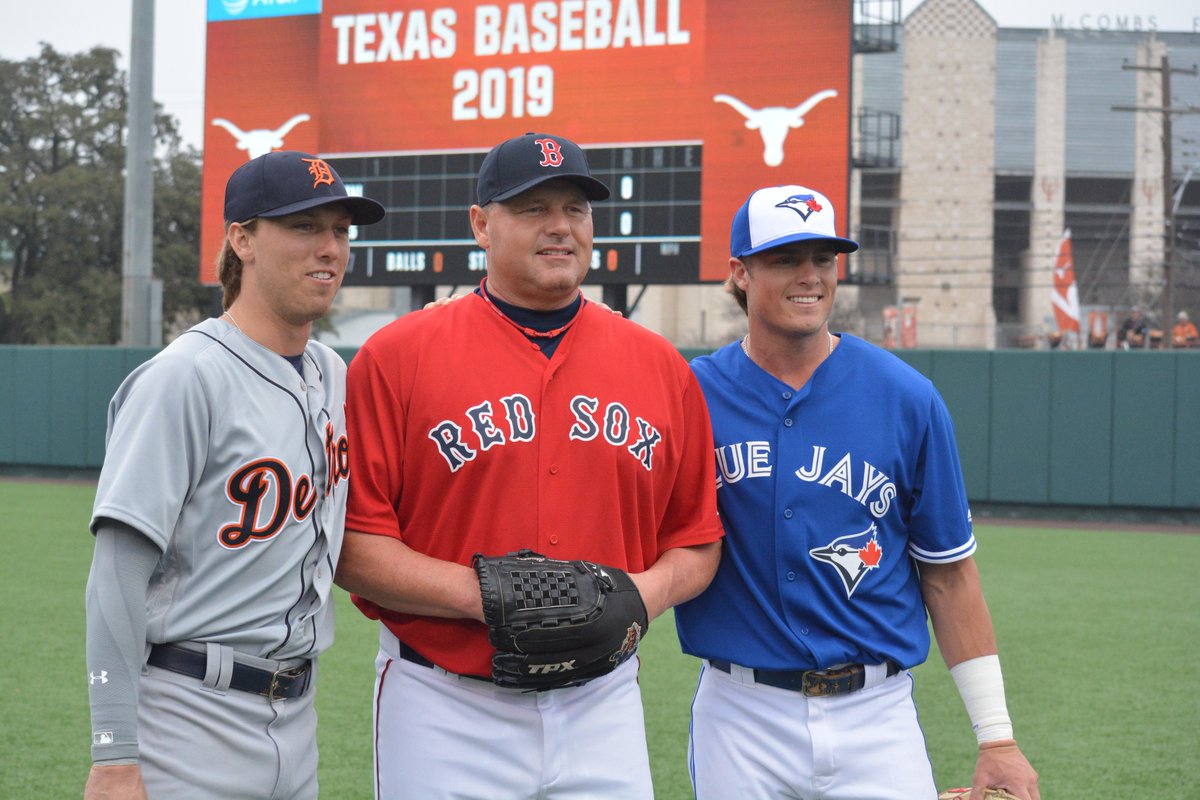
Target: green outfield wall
(1097, 429)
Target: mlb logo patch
(102, 737)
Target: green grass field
(1099, 633)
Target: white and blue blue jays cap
(523, 162)
(286, 182)
(781, 215)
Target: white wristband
(981, 686)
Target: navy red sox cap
(288, 181)
(523, 162)
(781, 215)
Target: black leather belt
(413, 657)
(284, 684)
(812, 682)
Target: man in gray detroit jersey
(220, 511)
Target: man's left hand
(1002, 764)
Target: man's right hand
(116, 782)
(441, 301)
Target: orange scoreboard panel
(684, 108)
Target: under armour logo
(551, 153)
(102, 677)
(320, 171)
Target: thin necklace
(529, 332)
(746, 343)
(234, 321)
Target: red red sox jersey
(469, 440)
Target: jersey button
(787, 423)
(554, 469)
(553, 540)
(791, 576)
(787, 513)
(787, 395)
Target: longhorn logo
(260, 141)
(774, 122)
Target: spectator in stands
(1184, 334)
(1133, 331)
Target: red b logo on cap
(551, 154)
(319, 170)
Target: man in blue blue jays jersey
(846, 520)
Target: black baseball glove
(557, 623)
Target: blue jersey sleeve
(940, 518)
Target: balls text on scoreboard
(404, 261)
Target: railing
(876, 138)
(875, 25)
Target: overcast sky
(76, 25)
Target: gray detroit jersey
(237, 469)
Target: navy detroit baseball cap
(781, 215)
(523, 162)
(287, 181)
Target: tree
(62, 161)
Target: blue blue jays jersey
(829, 495)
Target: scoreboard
(648, 228)
(683, 107)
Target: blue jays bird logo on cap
(757, 226)
(852, 556)
(803, 204)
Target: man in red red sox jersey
(518, 417)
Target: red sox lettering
(265, 494)
(458, 444)
(615, 428)
(518, 419)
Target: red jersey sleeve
(375, 422)
(691, 516)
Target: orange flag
(1066, 295)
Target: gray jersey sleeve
(122, 564)
(156, 445)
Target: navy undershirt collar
(297, 363)
(538, 320)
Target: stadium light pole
(141, 297)
(1169, 206)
